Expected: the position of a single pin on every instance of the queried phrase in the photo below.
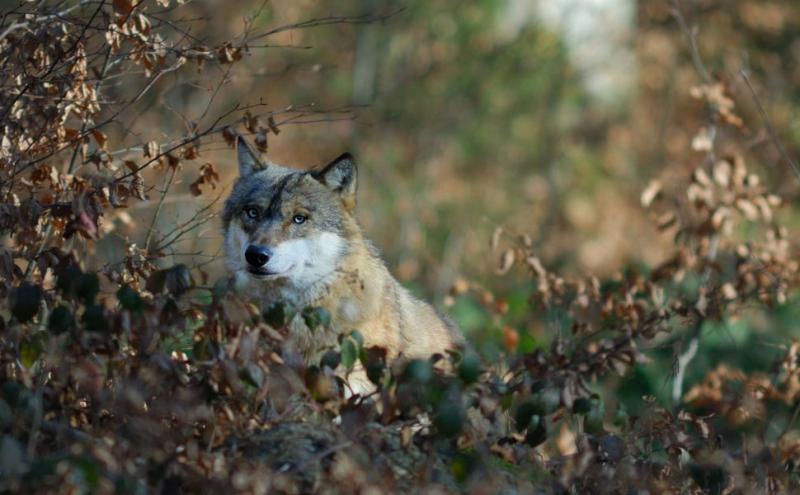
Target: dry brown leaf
(261, 141)
(506, 261)
(702, 141)
(650, 193)
(124, 7)
(208, 175)
(230, 135)
(510, 339)
(495, 242)
(100, 138)
(151, 149)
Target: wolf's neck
(354, 283)
(308, 295)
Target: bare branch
(770, 129)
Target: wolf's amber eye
(298, 219)
(251, 212)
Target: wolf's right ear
(248, 163)
(341, 176)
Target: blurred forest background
(545, 118)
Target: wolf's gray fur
(292, 236)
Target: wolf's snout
(257, 256)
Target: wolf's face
(288, 226)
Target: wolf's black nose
(256, 256)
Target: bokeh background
(544, 118)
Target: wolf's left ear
(341, 176)
(248, 163)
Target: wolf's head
(289, 226)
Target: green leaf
(358, 338)
(13, 460)
(537, 431)
(621, 417)
(276, 315)
(349, 352)
(89, 471)
(12, 393)
(582, 405)
(449, 419)
(29, 351)
(6, 414)
(524, 413)
(470, 369)
(129, 299)
(204, 297)
(67, 277)
(87, 286)
(593, 422)
(95, 319)
(61, 320)
(316, 317)
(419, 371)
(221, 287)
(538, 386)
(25, 301)
(462, 465)
(547, 400)
(331, 359)
(506, 401)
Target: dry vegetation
(132, 377)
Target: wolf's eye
(298, 219)
(251, 212)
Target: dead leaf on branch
(273, 126)
(208, 175)
(229, 134)
(703, 140)
(227, 54)
(506, 262)
(151, 149)
(124, 7)
(498, 231)
(101, 138)
(261, 141)
(650, 193)
(717, 96)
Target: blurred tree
(466, 126)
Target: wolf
(291, 236)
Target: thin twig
(44, 18)
(167, 184)
(768, 125)
(691, 35)
(197, 220)
(325, 21)
(689, 352)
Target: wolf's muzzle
(257, 256)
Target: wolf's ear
(248, 163)
(341, 177)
